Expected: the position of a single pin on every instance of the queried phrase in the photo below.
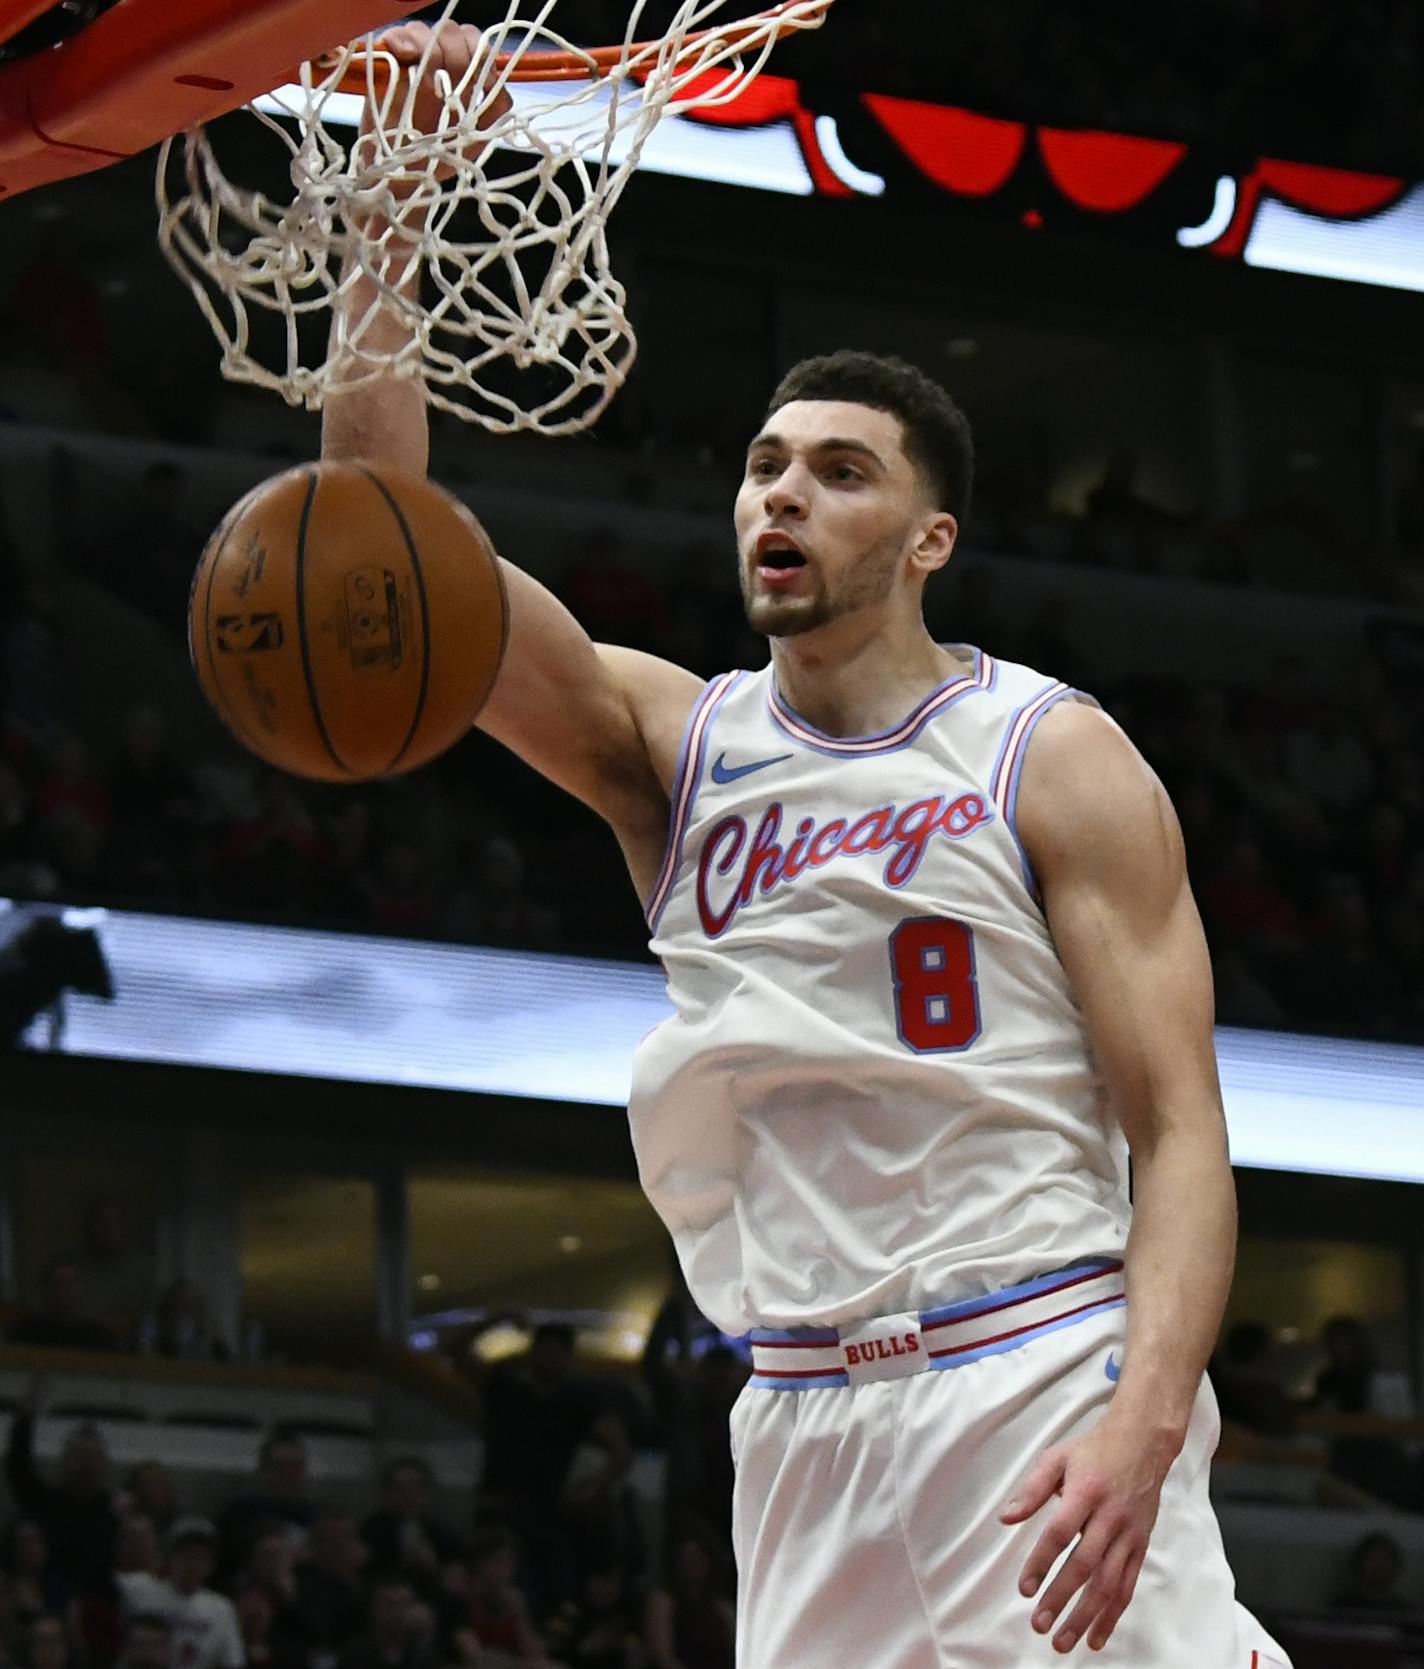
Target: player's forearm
(1180, 1256)
(384, 418)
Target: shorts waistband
(949, 1336)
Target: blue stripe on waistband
(1017, 1340)
(835, 1379)
(968, 1307)
(794, 1335)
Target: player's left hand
(1109, 1483)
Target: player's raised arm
(603, 722)
(1107, 851)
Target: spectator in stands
(329, 1596)
(268, 859)
(691, 1624)
(165, 546)
(37, 1583)
(1352, 1381)
(62, 1321)
(1327, 763)
(265, 1645)
(77, 1512)
(280, 1496)
(150, 1490)
(494, 1626)
(148, 1642)
(600, 1629)
(272, 1563)
(147, 787)
(179, 1329)
(1374, 1575)
(70, 784)
(49, 1644)
(118, 1278)
(538, 1415)
(694, 1378)
(204, 1627)
(1246, 1391)
(140, 1547)
(396, 1635)
(404, 1534)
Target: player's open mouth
(779, 559)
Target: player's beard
(869, 579)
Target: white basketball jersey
(876, 1094)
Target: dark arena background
(318, 1218)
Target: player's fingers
(449, 47)
(406, 42)
(1041, 1485)
(1058, 1536)
(1099, 1593)
(1079, 1567)
(1111, 1615)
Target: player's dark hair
(937, 438)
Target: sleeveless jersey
(876, 1093)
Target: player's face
(826, 516)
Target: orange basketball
(347, 622)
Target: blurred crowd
(551, 1562)
(97, 1570)
(1260, 1391)
(105, 1294)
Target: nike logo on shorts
(1114, 1368)
(723, 772)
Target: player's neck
(857, 682)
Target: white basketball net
(508, 215)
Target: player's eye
(845, 472)
(763, 468)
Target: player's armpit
(600, 721)
(1107, 851)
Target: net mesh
(520, 323)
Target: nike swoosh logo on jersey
(1114, 1369)
(724, 773)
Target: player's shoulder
(1086, 785)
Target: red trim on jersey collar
(898, 736)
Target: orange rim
(603, 60)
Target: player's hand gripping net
(500, 182)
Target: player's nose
(787, 495)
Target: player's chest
(856, 837)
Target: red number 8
(936, 990)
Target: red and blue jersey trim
(983, 677)
(684, 786)
(1004, 782)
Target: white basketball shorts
(870, 1482)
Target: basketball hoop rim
(596, 61)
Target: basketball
(347, 622)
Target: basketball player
(937, 972)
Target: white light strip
(372, 1010)
(1385, 249)
(763, 158)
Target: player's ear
(935, 545)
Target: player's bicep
(570, 708)
(1107, 850)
